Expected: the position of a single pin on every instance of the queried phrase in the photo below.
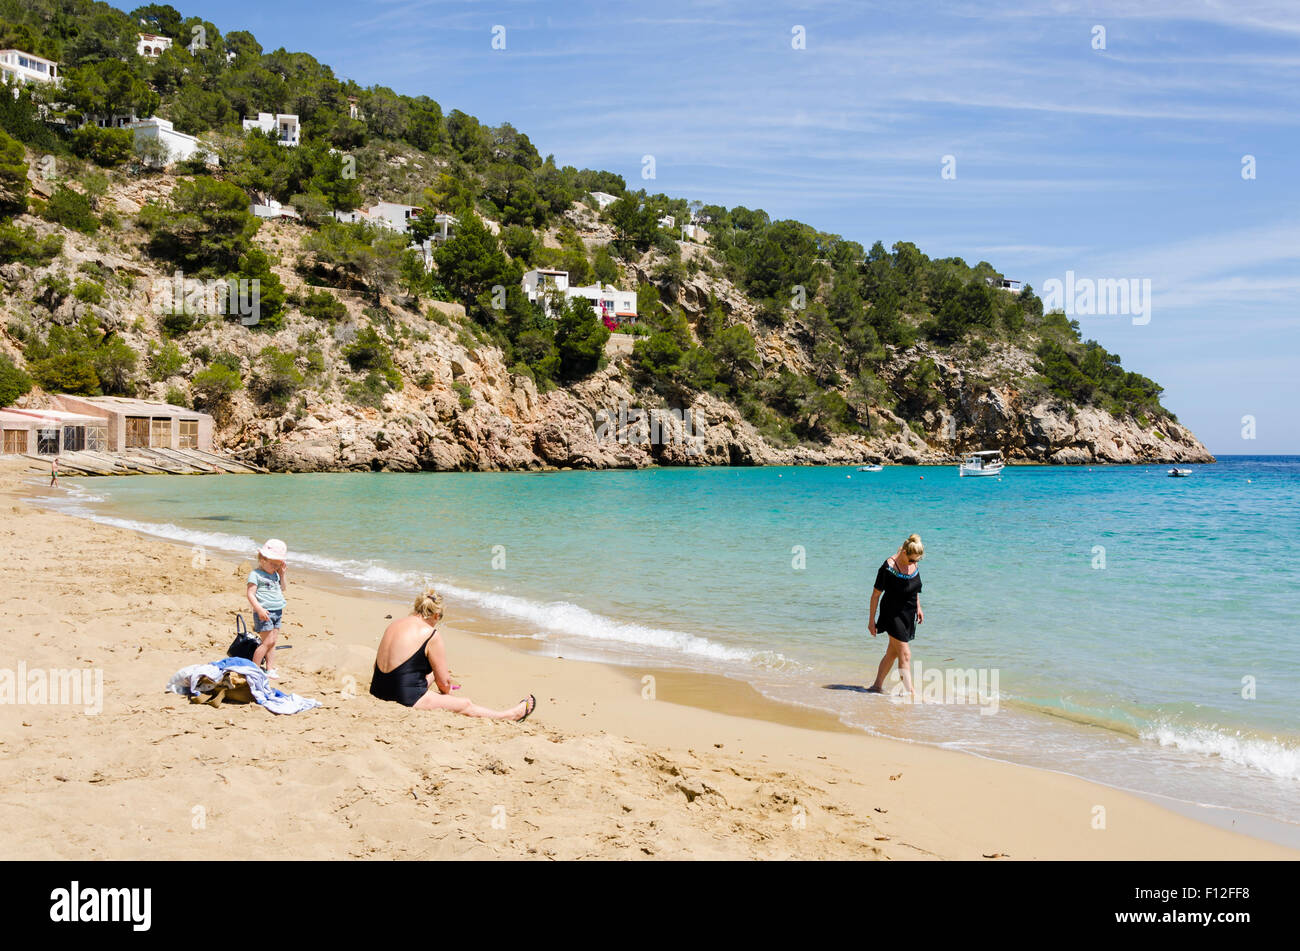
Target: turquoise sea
(1110, 622)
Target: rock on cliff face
(460, 407)
(601, 424)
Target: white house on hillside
(152, 45)
(19, 67)
(385, 214)
(115, 121)
(179, 145)
(284, 126)
(396, 217)
(604, 199)
(610, 303)
(1006, 284)
(272, 209)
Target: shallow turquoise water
(1123, 613)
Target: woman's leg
(436, 701)
(886, 663)
(904, 651)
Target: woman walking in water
(898, 593)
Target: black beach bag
(245, 644)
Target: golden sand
(706, 769)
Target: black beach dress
(898, 602)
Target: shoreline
(696, 724)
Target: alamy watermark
(73, 686)
(655, 427)
(1086, 297)
(954, 685)
(229, 297)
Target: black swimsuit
(407, 682)
(898, 604)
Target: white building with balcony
(610, 304)
(19, 67)
(604, 199)
(283, 126)
(151, 46)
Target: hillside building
(17, 67)
(283, 126)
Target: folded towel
(198, 679)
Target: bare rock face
(460, 407)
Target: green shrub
(463, 391)
(214, 386)
(67, 373)
(276, 378)
(177, 323)
(228, 360)
(25, 246)
(369, 352)
(322, 305)
(177, 396)
(71, 209)
(165, 363)
(14, 381)
(371, 390)
(106, 147)
(88, 292)
(13, 176)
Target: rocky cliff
(460, 407)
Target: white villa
(385, 214)
(1006, 284)
(668, 221)
(609, 302)
(284, 126)
(397, 217)
(604, 199)
(151, 45)
(19, 67)
(179, 145)
(271, 209)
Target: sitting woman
(421, 679)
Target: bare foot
(874, 689)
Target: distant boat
(987, 462)
(1180, 473)
(871, 468)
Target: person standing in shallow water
(897, 591)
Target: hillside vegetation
(790, 343)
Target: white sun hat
(274, 550)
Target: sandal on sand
(532, 705)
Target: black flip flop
(529, 711)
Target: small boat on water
(1179, 473)
(986, 462)
(870, 468)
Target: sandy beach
(699, 767)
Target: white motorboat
(986, 462)
(871, 468)
(1180, 473)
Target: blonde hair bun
(428, 604)
(913, 547)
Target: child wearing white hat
(266, 594)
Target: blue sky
(1116, 163)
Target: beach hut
(142, 424)
(48, 432)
